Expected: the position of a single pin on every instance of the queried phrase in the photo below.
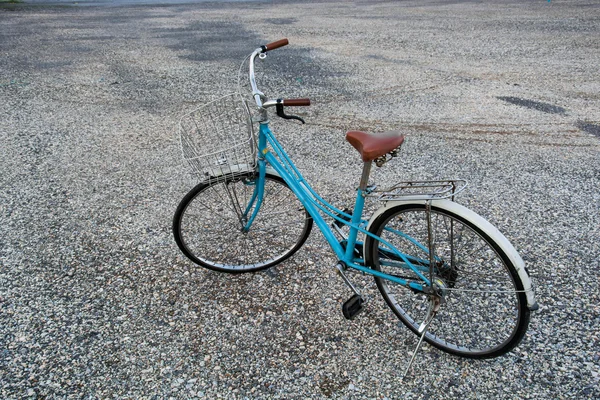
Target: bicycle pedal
(353, 306)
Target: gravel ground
(96, 301)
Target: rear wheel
(484, 311)
(208, 228)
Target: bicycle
(431, 258)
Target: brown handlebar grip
(275, 45)
(296, 102)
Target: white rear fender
(486, 227)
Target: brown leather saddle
(372, 146)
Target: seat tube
(358, 210)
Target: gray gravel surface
(96, 301)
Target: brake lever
(282, 114)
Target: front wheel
(484, 310)
(208, 224)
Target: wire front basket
(217, 139)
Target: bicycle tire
(485, 312)
(208, 231)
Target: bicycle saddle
(371, 146)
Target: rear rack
(421, 190)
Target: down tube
(300, 192)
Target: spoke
(223, 201)
(452, 232)
(217, 232)
(197, 220)
(272, 195)
(232, 193)
(467, 274)
(484, 245)
(213, 213)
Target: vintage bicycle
(449, 275)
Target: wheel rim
(482, 311)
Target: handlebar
(259, 97)
(275, 45)
(296, 102)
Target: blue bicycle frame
(397, 244)
(272, 153)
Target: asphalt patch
(211, 41)
(593, 129)
(535, 105)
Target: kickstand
(434, 306)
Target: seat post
(364, 179)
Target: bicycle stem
(257, 94)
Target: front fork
(257, 197)
(259, 184)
